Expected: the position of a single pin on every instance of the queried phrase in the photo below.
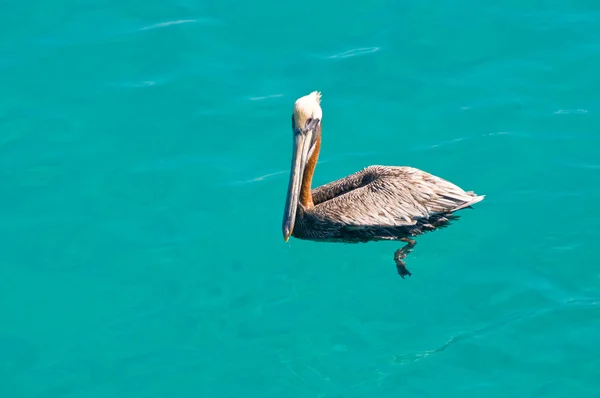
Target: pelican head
(306, 127)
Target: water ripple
(331, 159)
(570, 111)
(416, 356)
(584, 302)
(143, 83)
(355, 52)
(266, 97)
(257, 179)
(120, 29)
(176, 162)
(168, 23)
(584, 166)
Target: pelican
(374, 204)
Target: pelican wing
(388, 197)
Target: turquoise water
(144, 158)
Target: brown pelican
(376, 203)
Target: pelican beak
(302, 142)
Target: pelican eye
(312, 123)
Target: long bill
(299, 160)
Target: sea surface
(144, 158)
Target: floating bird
(374, 204)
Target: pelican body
(374, 204)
